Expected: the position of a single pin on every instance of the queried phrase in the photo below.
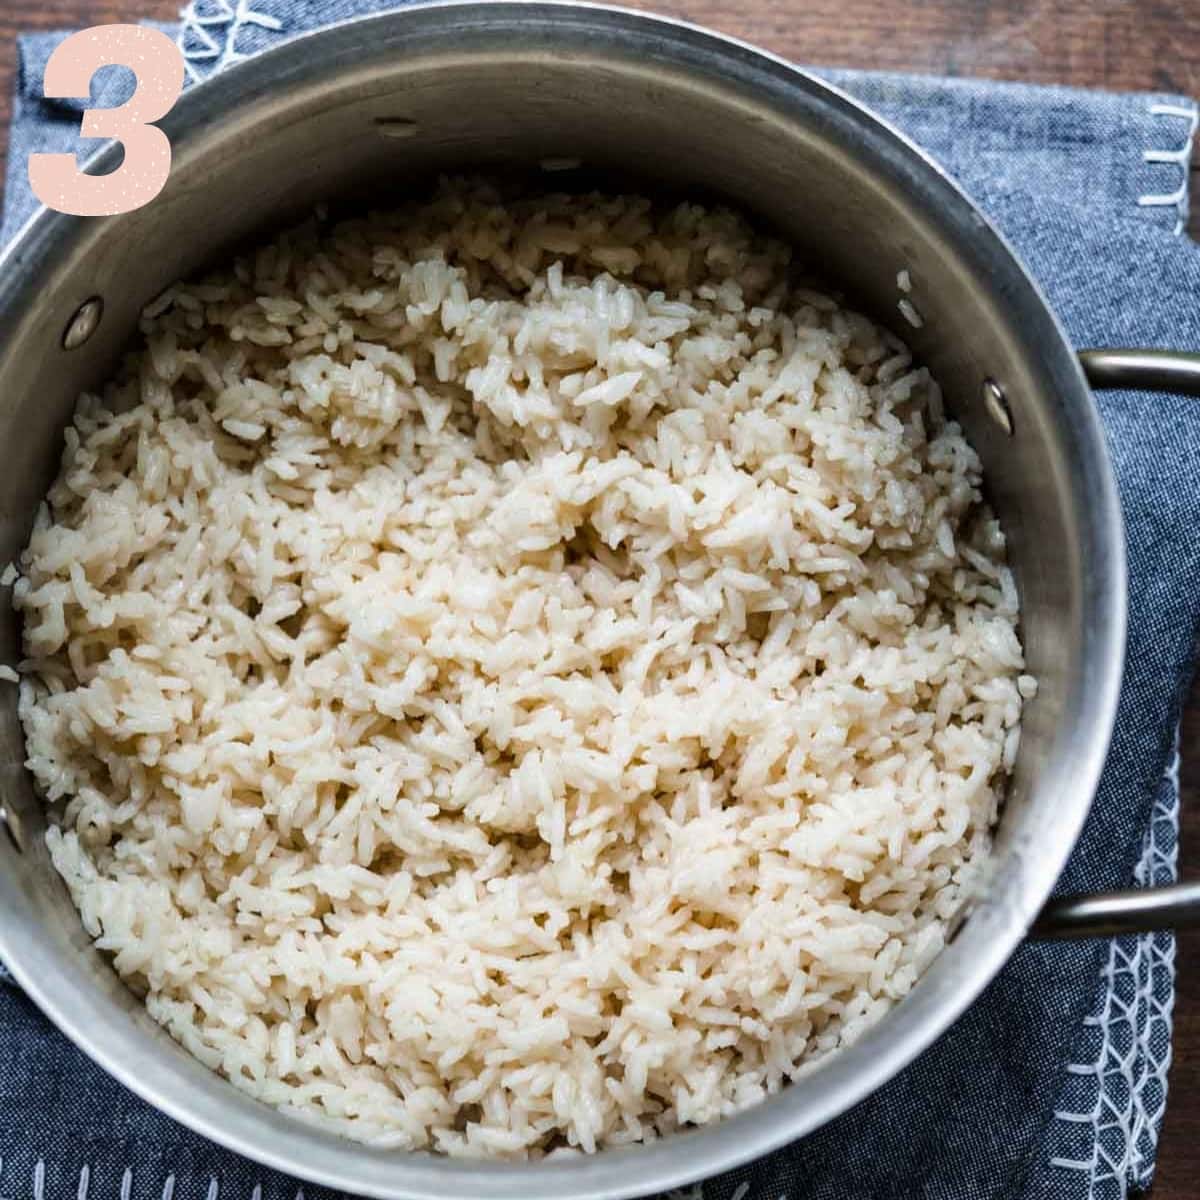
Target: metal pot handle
(1103, 914)
(1143, 370)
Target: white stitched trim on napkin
(209, 33)
(1127, 1079)
(1181, 158)
(168, 1189)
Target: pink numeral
(158, 65)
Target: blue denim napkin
(1053, 1083)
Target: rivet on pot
(997, 405)
(12, 826)
(955, 925)
(83, 324)
(396, 127)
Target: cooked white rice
(519, 673)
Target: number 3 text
(157, 64)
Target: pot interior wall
(380, 113)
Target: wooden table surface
(1117, 44)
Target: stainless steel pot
(384, 100)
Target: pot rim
(255, 1130)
